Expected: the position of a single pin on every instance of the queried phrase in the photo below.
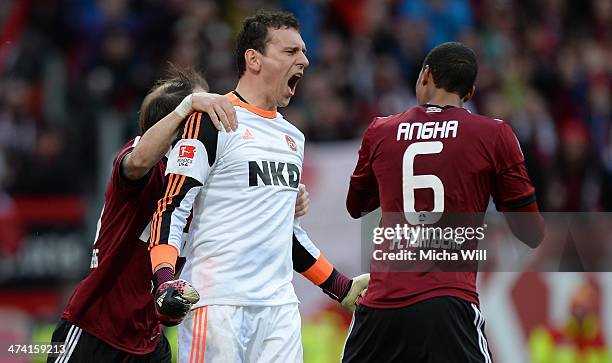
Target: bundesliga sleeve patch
(189, 157)
(186, 153)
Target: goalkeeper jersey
(241, 188)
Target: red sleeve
(512, 187)
(363, 188)
(526, 223)
(120, 183)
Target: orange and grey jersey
(241, 188)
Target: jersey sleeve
(307, 258)
(363, 188)
(512, 187)
(119, 182)
(189, 164)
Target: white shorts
(241, 334)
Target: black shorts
(438, 330)
(80, 346)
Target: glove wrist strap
(162, 275)
(337, 285)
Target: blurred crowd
(69, 68)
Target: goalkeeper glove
(173, 298)
(345, 291)
(358, 288)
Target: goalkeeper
(243, 238)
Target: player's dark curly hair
(254, 33)
(167, 93)
(453, 67)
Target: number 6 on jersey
(410, 182)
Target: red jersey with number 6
(440, 159)
(114, 302)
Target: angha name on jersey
(242, 187)
(427, 161)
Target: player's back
(114, 301)
(438, 159)
(451, 144)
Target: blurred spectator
(443, 19)
(73, 74)
(579, 340)
(70, 68)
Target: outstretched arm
(156, 141)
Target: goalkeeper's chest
(263, 156)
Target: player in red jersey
(111, 316)
(463, 158)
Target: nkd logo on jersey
(273, 173)
(186, 155)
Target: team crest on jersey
(291, 143)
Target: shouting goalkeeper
(244, 241)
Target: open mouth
(293, 81)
